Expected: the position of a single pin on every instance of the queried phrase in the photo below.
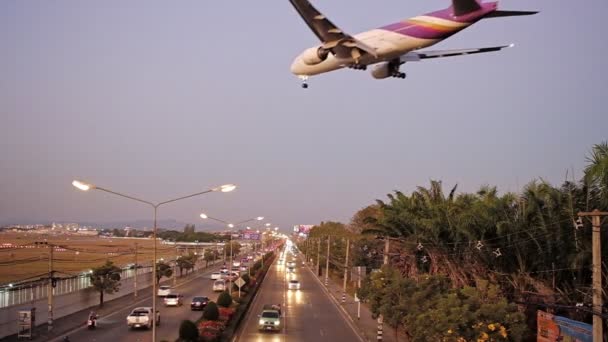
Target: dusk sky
(159, 99)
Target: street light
(87, 186)
(230, 225)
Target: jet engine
(387, 69)
(315, 56)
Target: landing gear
(304, 79)
(358, 66)
(399, 75)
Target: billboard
(553, 328)
(302, 229)
(249, 236)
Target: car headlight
(277, 323)
(261, 322)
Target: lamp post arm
(249, 220)
(184, 197)
(218, 220)
(126, 196)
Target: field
(72, 254)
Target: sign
(556, 328)
(250, 236)
(27, 320)
(239, 282)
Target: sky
(160, 99)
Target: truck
(142, 317)
(270, 319)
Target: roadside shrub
(211, 312)
(226, 314)
(211, 330)
(224, 299)
(188, 332)
(247, 279)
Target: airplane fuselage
(392, 41)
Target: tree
(163, 270)
(236, 248)
(211, 312)
(105, 279)
(596, 174)
(186, 262)
(188, 332)
(189, 229)
(210, 255)
(224, 299)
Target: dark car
(199, 303)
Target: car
(291, 264)
(243, 268)
(174, 299)
(199, 303)
(293, 284)
(163, 291)
(250, 257)
(236, 264)
(219, 285)
(142, 317)
(270, 319)
(291, 269)
(224, 270)
(216, 275)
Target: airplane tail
(498, 13)
(462, 7)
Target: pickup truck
(142, 318)
(270, 319)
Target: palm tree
(596, 174)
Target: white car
(291, 264)
(163, 291)
(236, 264)
(174, 299)
(219, 286)
(294, 284)
(243, 268)
(216, 275)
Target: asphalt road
(114, 326)
(308, 313)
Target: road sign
(239, 282)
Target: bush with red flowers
(226, 314)
(210, 330)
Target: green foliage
(596, 174)
(186, 262)
(163, 270)
(189, 229)
(211, 312)
(431, 309)
(224, 300)
(210, 255)
(105, 279)
(188, 332)
(236, 248)
(191, 236)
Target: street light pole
(85, 187)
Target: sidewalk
(367, 326)
(78, 319)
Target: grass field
(72, 255)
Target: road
(308, 314)
(114, 326)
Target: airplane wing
(333, 38)
(415, 56)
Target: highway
(114, 326)
(308, 313)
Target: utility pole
(230, 268)
(596, 221)
(175, 268)
(50, 288)
(135, 276)
(387, 242)
(327, 261)
(345, 272)
(318, 255)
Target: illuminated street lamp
(86, 186)
(230, 225)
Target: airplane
(390, 46)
